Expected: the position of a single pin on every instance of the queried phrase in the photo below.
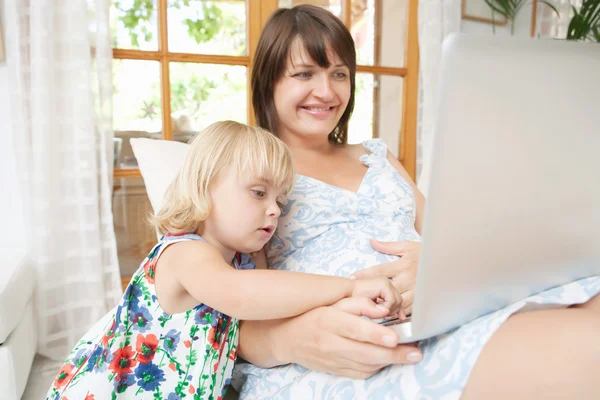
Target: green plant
(137, 19)
(509, 9)
(585, 24)
(205, 21)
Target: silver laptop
(514, 202)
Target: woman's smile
(319, 111)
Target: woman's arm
(333, 339)
(265, 294)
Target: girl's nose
(274, 210)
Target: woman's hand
(381, 291)
(333, 339)
(403, 271)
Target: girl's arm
(264, 294)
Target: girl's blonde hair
(222, 145)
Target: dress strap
(377, 153)
(241, 260)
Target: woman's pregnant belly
(341, 250)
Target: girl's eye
(258, 193)
(280, 204)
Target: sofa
(18, 335)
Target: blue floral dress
(138, 351)
(325, 229)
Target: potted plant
(585, 24)
(509, 9)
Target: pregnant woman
(303, 83)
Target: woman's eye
(303, 75)
(258, 193)
(340, 75)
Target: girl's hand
(381, 291)
(403, 271)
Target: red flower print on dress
(213, 337)
(187, 343)
(64, 375)
(232, 354)
(146, 348)
(89, 396)
(109, 334)
(191, 389)
(123, 361)
(149, 271)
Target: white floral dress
(138, 351)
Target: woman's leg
(547, 354)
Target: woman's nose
(323, 89)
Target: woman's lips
(321, 112)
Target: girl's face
(309, 99)
(244, 212)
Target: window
(178, 62)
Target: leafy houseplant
(509, 9)
(585, 24)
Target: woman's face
(310, 100)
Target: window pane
(205, 93)
(134, 24)
(335, 6)
(379, 31)
(137, 110)
(207, 27)
(377, 109)
(361, 122)
(135, 237)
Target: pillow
(159, 162)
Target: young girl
(175, 332)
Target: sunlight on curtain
(61, 93)
(437, 19)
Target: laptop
(514, 201)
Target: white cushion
(16, 288)
(159, 161)
(16, 356)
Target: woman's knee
(593, 305)
(555, 351)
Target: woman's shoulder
(376, 147)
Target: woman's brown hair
(318, 29)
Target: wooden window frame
(258, 12)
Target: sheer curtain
(550, 25)
(61, 89)
(437, 19)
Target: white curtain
(59, 61)
(550, 25)
(437, 19)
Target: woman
(303, 92)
